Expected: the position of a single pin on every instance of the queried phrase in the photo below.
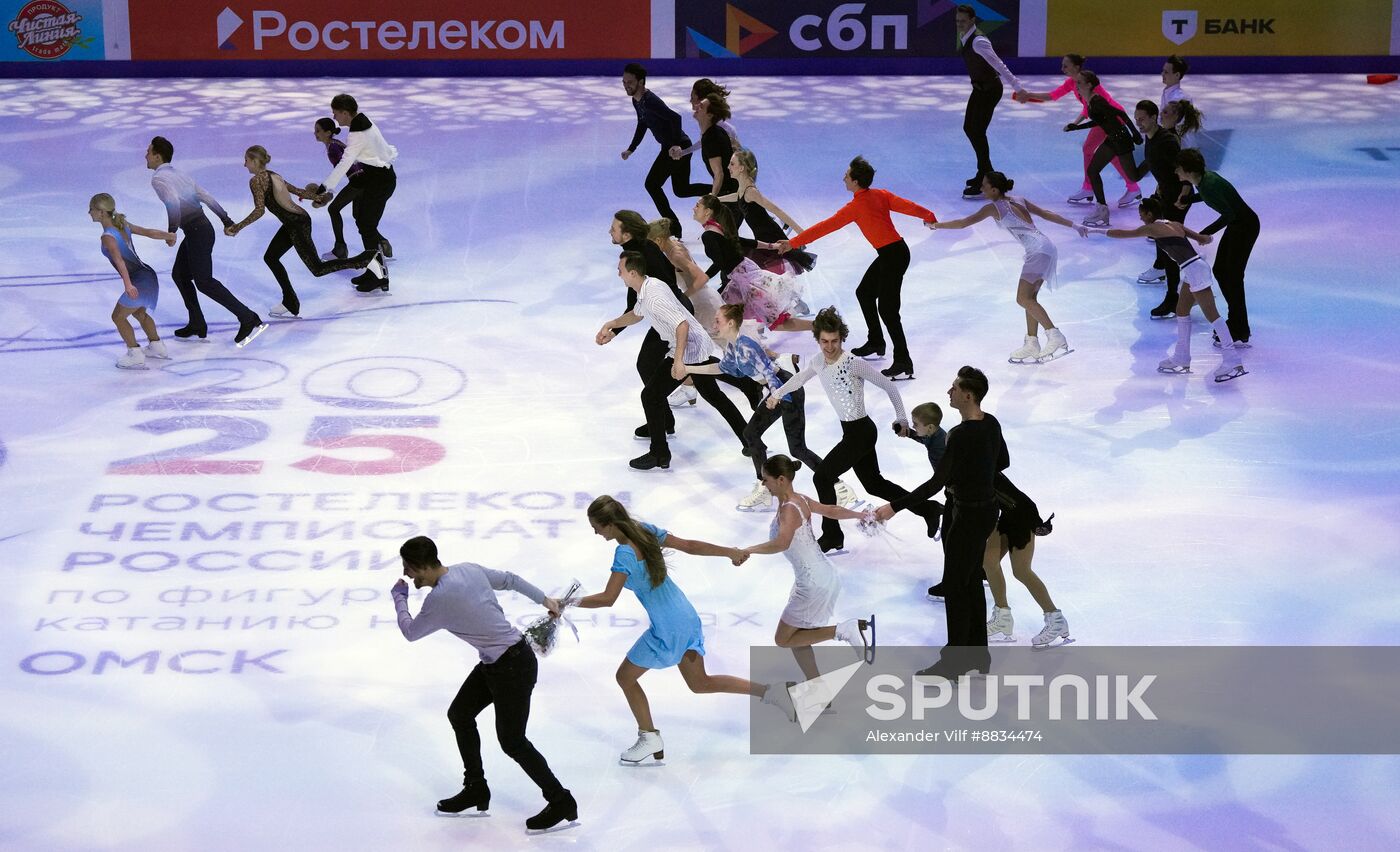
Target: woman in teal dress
(674, 637)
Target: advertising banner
(1219, 28)
(409, 29)
(783, 29)
(48, 30)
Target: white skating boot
(1174, 364)
(1083, 196)
(1152, 275)
(1055, 346)
(1130, 197)
(778, 696)
(1097, 219)
(852, 631)
(1029, 352)
(845, 495)
(759, 500)
(1231, 367)
(648, 744)
(281, 311)
(132, 360)
(1000, 625)
(682, 396)
(1055, 628)
(156, 350)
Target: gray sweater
(464, 603)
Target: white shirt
(984, 49)
(844, 383)
(659, 306)
(366, 145)
(182, 198)
(1171, 93)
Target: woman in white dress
(807, 618)
(1014, 214)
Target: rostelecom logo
(229, 22)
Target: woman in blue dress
(139, 284)
(674, 637)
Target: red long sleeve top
(869, 209)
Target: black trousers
(878, 295)
(508, 684)
(349, 193)
(1163, 262)
(794, 417)
(855, 451)
(1230, 260)
(193, 273)
(376, 186)
(663, 168)
(965, 532)
(297, 234)
(660, 384)
(978, 117)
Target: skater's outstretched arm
(826, 510)
(865, 370)
(259, 184)
(1052, 216)
(958, 224)
(617, 581)
(166, 237)
(613, 326)
(759, 198)
(805, 375)
(695, 547)
(789, 519)
(1154, 229)
(1202, 238)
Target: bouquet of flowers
(543, 632)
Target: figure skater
(1241, 225)
(1071, 64)
(674, 636)
(879, 289)
(768, 298)
(665, 126)
(1171, 238)
(1120, 136)
(1013, 214)
(1018, 525)
(272, 193)
(326, 131)
(140, 287)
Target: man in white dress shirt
(376, 180)
(986, 70)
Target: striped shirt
(659, 306)
(182, 197)
(464, 603)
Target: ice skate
(1228, 372)
(779, 696)
(385, 248)
(1083, 196)
(1097, 219)
(339, 251)
(246, 333)
(1166, 310)
(899, 372)
(935, 592)
(999, 628)
(281, 311)
(758, 500)
(870, 350)
(473, 795)
(134, 359)
(1130, 197)
(565, 809)
(1239, 344)
(648, 744)
(845, 495)
(1055, 628)
(156, 350)
(1152, 275)
(852, 631)
(681, 397)
(1029, 352)
(1174, 364)
(1055, 346)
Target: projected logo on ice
(46, 29)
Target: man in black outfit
(986, 70)
(976, 452)
(665, 126)
(1160, 150)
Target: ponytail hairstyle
(1090, 79)
(747, 159)
(1000, 182)
(606, 511)
(704, 86)
(781, 465)
(1188, 118)
(104, 202)
(1152, 207)
(1075, 59)
(328, 124)
(659, 231)
(258, 154)
(723, 218)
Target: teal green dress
(675, 626)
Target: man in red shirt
(878, 292)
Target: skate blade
(471, 813)
(641, 764)
(1229, 377)
(903, 377)
(1035, 360)
(1059, 642)
(565, 826)
(252, 335)
(935, 599)
(1046, 359)
(190, 339)
(1174, 371)
(840, 551)
(135, 368)
(1162, 317)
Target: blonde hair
(107, 204)
(606, 511)
(259, 155)
(659, 231)
(748, 161)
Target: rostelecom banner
(1219, 27)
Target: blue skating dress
(675, 626)
(142, 276)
